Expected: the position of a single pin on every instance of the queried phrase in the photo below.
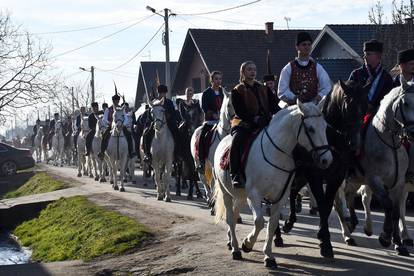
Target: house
(207, 50)
(339, 48)
(147, 78)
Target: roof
(225, 50)
(148, 69)
(339, 69)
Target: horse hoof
(159, 198)
(145, 185)
(177, 193)
(116, 188)
(79, 174)
(384, 241)
(270, 263)
(237, 255)
(288, 226)
(368, 233)
(122, 189)
(125, 180)
(102, 180)
(245, 248)
(91, 176)
(96, 178)
(189, 197)
(326, 250)
(229, 246)
(212, 212)
(402, 250)
(351, 242)
(111, 182)
(239, 220)
(168, 199)
(278, 242)
(408, 242)
(313, 211)
(199, 195)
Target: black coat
(92, 121)
(208, 102)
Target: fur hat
(373, 45)
(406, 56)
(269, 78)
(162, 88)
(303, 36)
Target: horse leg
(366, 195)
(114, 167)
(343, 214)
(273, 223)
(157, 177)
(407, 240)
(255, 205)
(123, 164)
(166, 180)
(297, 184)
(313, 205)
(79, 165)
(278, 237)
(396, 197)
(198, 191)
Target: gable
(329, 48)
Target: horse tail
(219, 206)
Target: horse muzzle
(322, 156)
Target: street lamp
(166, 42)
(92, 71)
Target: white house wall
(328, 48)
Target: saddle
(208, 139)
(225, 158)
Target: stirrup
(201, 168)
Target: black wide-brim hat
(405, 56)
(269, 78)
(116, 98)
(303, 36)
(373, 45)
(162, 88)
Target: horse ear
(300, 106)
(321, 103)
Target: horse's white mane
(311, 110)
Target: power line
(86, 28)
(227, 21)
(222, 10)
(136, 54)
(102, 38)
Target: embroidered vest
(304, 80)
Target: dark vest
(304, 80)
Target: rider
(303, 77)
(185, 105)
(171, 123)
(128, 134)
(52, 128)
(373, 76)
(211, 104)
(406, 64)
(78, 123)
(92, 121)
(107, 119)
(35, 128)
(254, 106)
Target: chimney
(269, 31)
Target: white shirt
(286, 95)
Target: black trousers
(105, 139)
(89, 139)
(128, 137)
(239, 136)
(202, 142)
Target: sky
(42, 17)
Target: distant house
(207, 50)
(147, 78)
(339, 48)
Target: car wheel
(9, 168)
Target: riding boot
(129, 141)
(89, 139)
(236, 152)
(147, 140)
(104, 144)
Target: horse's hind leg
(297, 184)
(342, 212)
(396, 196)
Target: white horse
(269, 171)
(162, 150)
(99, 165)
(117, 151)
(38, 144)
(385, 163)
(223, 129)
(83, 166)
(58, 144)
(131, 161)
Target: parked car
(13, 159)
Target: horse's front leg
(366, 195)
(343, 214)
(407, 240)
(397, 194)
(157, 178)
(273, 223)
(122, 173)
(166, 180)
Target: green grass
(75, 228)
(39, 183)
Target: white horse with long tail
(269, 171)
(222, 130)
(99, 165)
(117, 151)
(83, 165)
(162, 150)
(58, 144)
(38, 144)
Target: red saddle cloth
(225, 158)
(208, 140)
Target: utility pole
(92, 71)
(166, 42)
(73, 100)
(48, 111)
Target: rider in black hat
(52, 128)
(92, 121)
(108, 118)
(406, 64)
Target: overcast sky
(43, 16)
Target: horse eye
(311, 130)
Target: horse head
(344, 110)
(40, 131)
(226, 112)
(403, 109)
(312, 133)
(119, 117)
(158, 114)
(84, 124)
(58, 127)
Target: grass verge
(75, 228)
(39, 183)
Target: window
(196, 85)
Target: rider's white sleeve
(126, 119)
(105, 116)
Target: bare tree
(24, 79)
(376, 14)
